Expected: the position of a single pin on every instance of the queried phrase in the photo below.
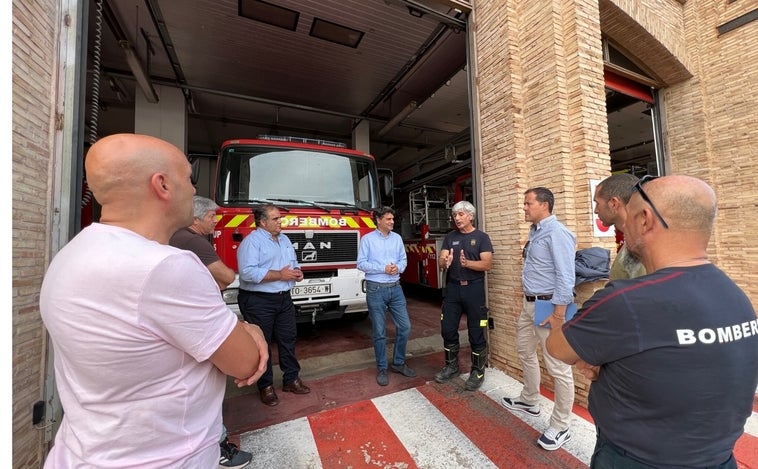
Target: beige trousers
(528, 337)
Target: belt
(531, 299)
(386, 285)
(267, 293)
(463, 283)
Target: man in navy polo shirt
(674, 353)
(467, 255)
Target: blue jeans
(380, 298)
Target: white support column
(166, 119)
(361, 137)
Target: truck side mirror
(195, 163)
(386, 186)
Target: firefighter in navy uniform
(466, 254)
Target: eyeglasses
(526, 249)
(638, 188)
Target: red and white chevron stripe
(436, 426)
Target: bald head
(119, 164)
(688, 206)
(685, 202)
(139, 177)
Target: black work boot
(478, 362)
(451, 365)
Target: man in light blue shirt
(268, 269)
(382, 257)
(548, 275)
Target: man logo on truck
(309, 256)
(309, 245)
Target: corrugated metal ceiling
(242, 74)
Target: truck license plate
(305, 290)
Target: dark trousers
(274, 313)
(468, 299)
(609, 456)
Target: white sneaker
(512, 404)
(552, 439)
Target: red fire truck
(325, 193)
(431, 219)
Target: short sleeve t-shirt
(472, 244)
(678, 351)
(199, 244)
(133, 324)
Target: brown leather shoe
(297, 387)
(268, 396)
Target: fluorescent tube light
(139, 72)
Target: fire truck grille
(325, 247)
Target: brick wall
(543, 123)
(709, 109)
(539, 91)
(34, 63)
(712, 130)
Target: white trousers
(528, 337)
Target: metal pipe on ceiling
(256, 99)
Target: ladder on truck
(430, 206)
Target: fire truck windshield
(299, 176)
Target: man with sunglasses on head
(611, 197)
(673, 354)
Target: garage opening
(633, 119)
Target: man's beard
(630, 261)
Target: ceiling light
(415, 12)
(268, 13)
(406, 111)
(143, 80)
(337, 33)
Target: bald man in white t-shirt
(142, 340)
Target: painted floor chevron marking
(285, 445)
(436, 426)
(434, 441)
(357, 435)
(506, 440)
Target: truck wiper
(305, 202)
(342, 204)
(252, 202)
(247, 201)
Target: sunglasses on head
(638, 188)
